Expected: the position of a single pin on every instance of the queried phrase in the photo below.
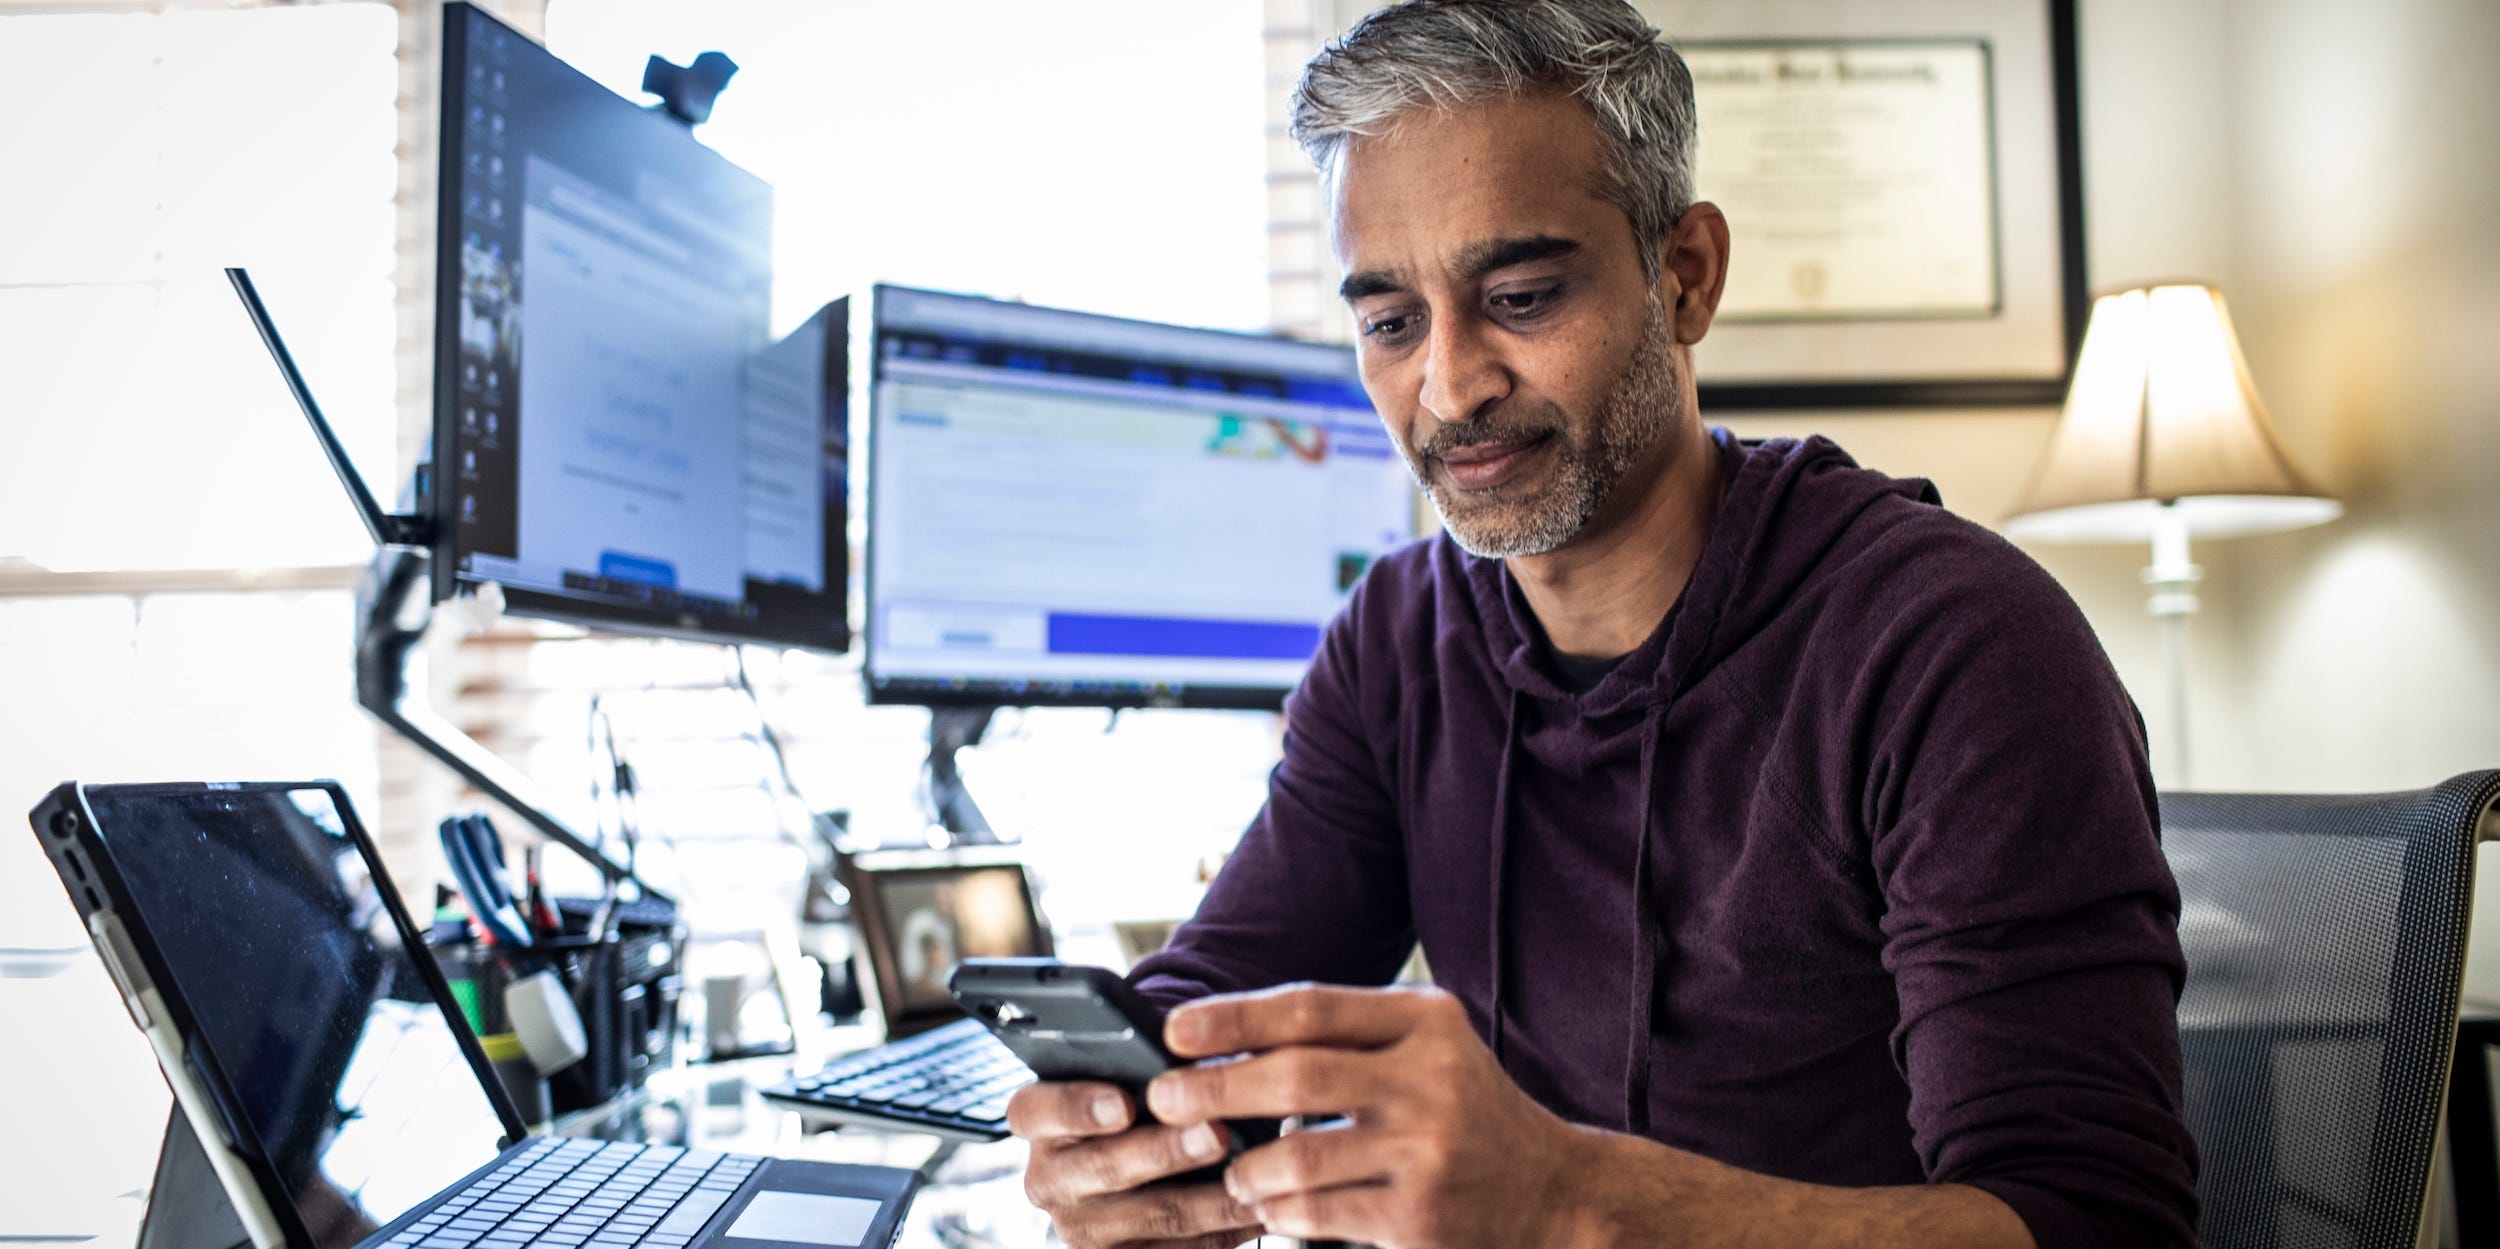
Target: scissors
(476, 857)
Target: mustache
(1482, 433)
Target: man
(1781, 845)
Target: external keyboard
(953, 1080)
(594, 1194)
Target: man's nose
(1461, 372)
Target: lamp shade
(2162, 416)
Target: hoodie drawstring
(1645, 937)
(1501, 842)
(1644, 941)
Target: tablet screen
(305, 994)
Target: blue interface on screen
(618, 437)
(1078, 508)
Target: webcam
(687, 91)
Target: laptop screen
(925, 919)
(301, 985)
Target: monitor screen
(304, 989)
(617, 441)
(1079, 509)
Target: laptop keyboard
(955, 1079)
(595, 1194)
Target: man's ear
(1694, 255)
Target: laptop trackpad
(805, 1219)
(818, 1206)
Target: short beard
(1631, 422)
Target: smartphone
(1072, 1022)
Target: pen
(471, 847)
(541, 914)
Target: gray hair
(1446, 53)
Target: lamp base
(2172, 579)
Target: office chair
(2325, 939)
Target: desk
(86, 1076)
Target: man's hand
(1089, 1164)
(1442, 1148)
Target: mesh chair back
(2325, 941)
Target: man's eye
(1388, 329)
(1519, 305)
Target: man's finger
(1052, 1108)
(1356, 1212)
(1298, 1080)
(1159, 1215)
(1296, 1014)
(1079, 1170)
(1305, 1162)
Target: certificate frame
(2022, 352)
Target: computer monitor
(1067, 508)
(617, 440)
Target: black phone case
(1068, 1021)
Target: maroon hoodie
(1847, 875)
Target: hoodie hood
(1784, 505)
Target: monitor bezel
(443, 488)
(908, 692)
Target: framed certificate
(1902, 188)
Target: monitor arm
(393, 608)
(389, 529)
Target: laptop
(329, 1092)
(918, 913)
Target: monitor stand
(950, 804)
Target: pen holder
(614, 1013)
(476, 975)
(624, 987)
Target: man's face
(1509, 336)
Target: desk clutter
(575, 999)
(714, 508)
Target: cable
(620, 788)
(763, 722)
(780, 757)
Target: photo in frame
(1902, 183)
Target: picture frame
(1906, 180)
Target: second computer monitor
(1078, 509)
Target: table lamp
(2163, 438)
